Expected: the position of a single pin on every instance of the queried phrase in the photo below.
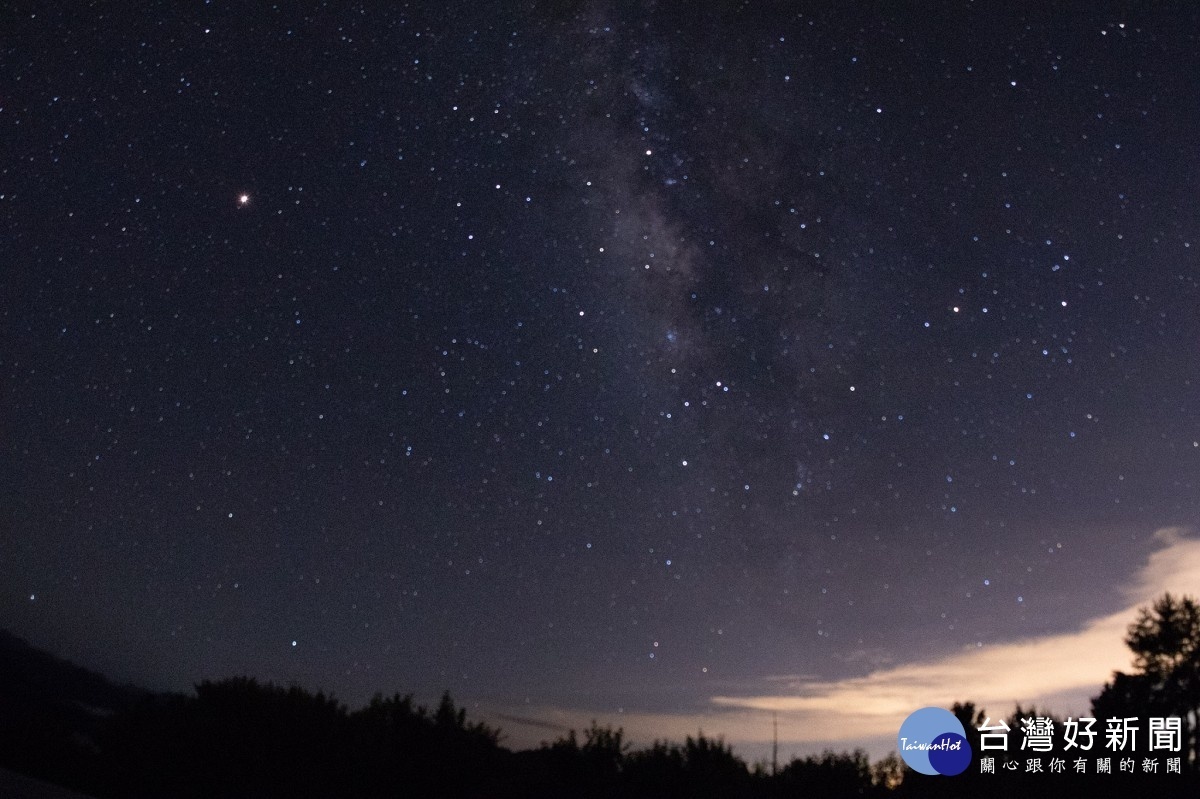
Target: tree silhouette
(830, 773)
(1165, 641)
(594, 768)
(887, 774)
(972, 719)
(239, 737)
(702, 767)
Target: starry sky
(665, 366)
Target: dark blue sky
(586, 361)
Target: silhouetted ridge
(52, 712)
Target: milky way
(589, 363)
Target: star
(243, 199)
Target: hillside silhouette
(52, 713)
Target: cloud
(1059, 672)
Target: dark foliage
(1165, 641)
(702, 767)
(242, 738)
(830, 774)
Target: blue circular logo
(933, 741)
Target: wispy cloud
(1058, 671)
(1055, 670)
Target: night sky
(665, 366)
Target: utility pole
(774, 742)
